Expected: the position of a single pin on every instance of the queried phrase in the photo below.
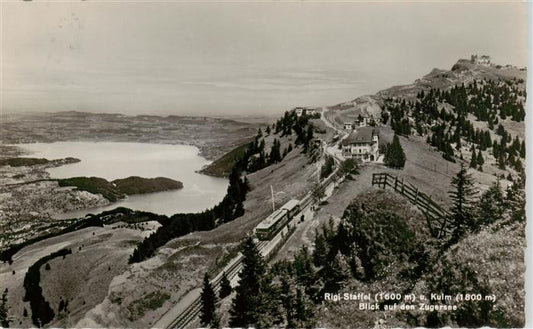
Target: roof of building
(361, 135)
(290, 205)
(270, 220)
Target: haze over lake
(112, 160)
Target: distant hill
(213, 136)
(462, 72)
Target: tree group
(394, 154)
(442, 115)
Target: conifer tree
(515, 200)
(462, 196)
(61, 305)
(501, 161)
(395, 157)
(488, 140)
(327, 167)
(275, 155)
(321, 250)
(4, 316)
(301, 315)
(473, 160)
(225, 286)
(318, 192)
(308, 137)
(480, 161)
(208, 302)
(500, 131)
(491, 206)
(247, 301)
(337, 272)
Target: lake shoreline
(212, 136)
(34, 200)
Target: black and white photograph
(264, 164)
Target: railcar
(276, 221)
(292, 207)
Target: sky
(236, 58)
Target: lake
(111, 160)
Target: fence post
(432, 210)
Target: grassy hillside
(489, 263)
(465, 111)
(222, 166)
(462, 72)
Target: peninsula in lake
(119, 188)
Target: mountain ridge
(463, 71)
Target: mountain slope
(462, 72)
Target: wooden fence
(436, 216)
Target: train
(276, 221)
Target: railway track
(193, 310)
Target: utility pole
(273, 204)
